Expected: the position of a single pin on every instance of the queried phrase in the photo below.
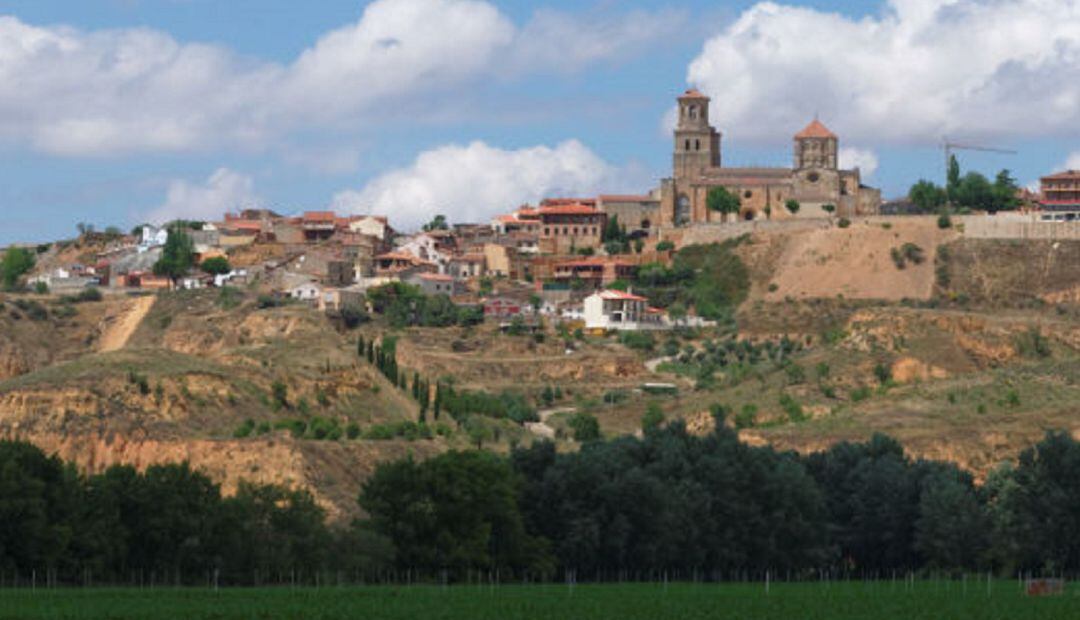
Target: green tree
(653, 417)
(722, 201)
(17, 263)
(927, 196)
(178, 255)
(456, 511)
(217, 265)
(792, 206)
(975, 192)
(829, 208)
(952, 179)
(437, 223)
(1005, 190)
(951, 532)
(585, 426)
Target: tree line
(668, 501)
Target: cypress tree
(360, 346)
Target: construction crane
(949, 147)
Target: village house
(334, 299)
(434, 283)
(308, 291)
(467, 266)
(594, 272)
(621, 311)
(564, 228)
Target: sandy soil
(119, 330)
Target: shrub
(1033, 344)
(41, 288)
(795, 374)
(859, 394)
(653, 418)
(843, 222)
(352, 430)
(747, 416)
(792, 408)
(642, 341)
(665, 246)
(913, 253)
(218, 265)
(245, 429)
(586, 427)
(279, 393)
(944, 221)
(882, 373)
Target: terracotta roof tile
(815, 130)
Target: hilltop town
(790, 303)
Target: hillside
(968, 354)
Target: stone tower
(697, 144)
(816, 147)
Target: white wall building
(616, 310)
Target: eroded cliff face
(332, 472)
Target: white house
(425, 247)
(617, 310)
(152, 237)
(308, 291)
(371, 225)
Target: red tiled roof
(815, 130)
(436, 277)
(613, 294)
(693, 93)
(397, 256)
(255, 225)
(568, 209)
(320, 216)
(1066, 175)
(554, 202)
(626, 198)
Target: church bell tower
(697, 144)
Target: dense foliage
(177, 256)
(668, 501)
(405, 305)
(15, 264)
(709, 278)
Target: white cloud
(472, 183)
(564, 42)
(865, 160)
(225, 190)
(77, 93)
(1073, 162)
(919, 70)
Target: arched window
(682, 210)
(697, 145)
(687, 144)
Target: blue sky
(121, 111)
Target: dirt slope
(120, 328)
(854, 262)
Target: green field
(879, 601)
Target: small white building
(152, 237)
(308, 291)
(371, 225)
(618, 310)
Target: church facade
(815, 180)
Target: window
(697, 145)
(687, 144)
(575, 230)
(748, 194)
(547, 232)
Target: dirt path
(654, 363)
(119, 330)
(541, 428)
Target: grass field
(880, 601)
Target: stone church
(815, 180)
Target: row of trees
(666, 502)
(405, 305)
(167, 525)
(971, 190)
(674, 502)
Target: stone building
(814, 181)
